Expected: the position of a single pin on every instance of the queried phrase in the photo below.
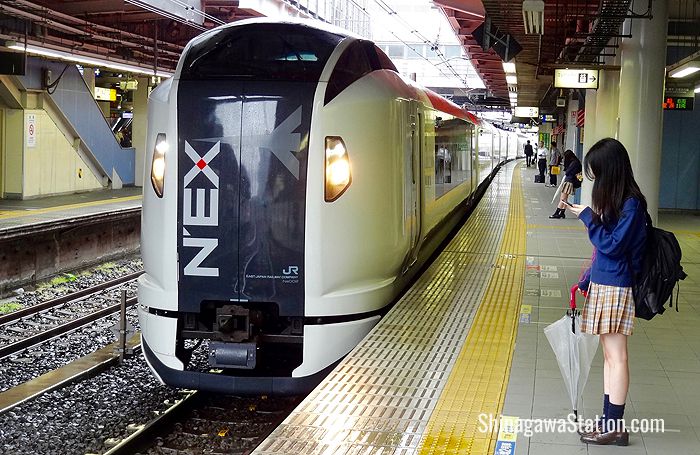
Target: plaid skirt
(567, 188)
(608, 309)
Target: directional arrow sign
(567, 78)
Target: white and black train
(298, 182)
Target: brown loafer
(589, 431)
(620, 438)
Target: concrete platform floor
(664, 354)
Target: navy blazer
(617, 245)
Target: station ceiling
(585, 32)
(118, 30)
(575, 31)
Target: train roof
(311, 23)
(438, 102)
(444, 105)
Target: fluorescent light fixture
(533, 16)
(686, 69)
(83, 60)
(697, 89)
(509, 68)
(511, 79)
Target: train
(297, 184)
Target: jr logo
(291, 270)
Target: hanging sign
(31, 130)
(526, 111)
(679, 90)
(565, 78)
(105, 94)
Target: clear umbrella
(573, 349)
(556, 193)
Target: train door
(414, 184)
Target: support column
(139, 128)
(607, 104)
(589, 138)
(641, 95)
(571, 137)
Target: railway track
(207, 423)
(33, 325)
(83, 293)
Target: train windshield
(262, 52)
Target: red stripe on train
(447, 106)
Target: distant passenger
(528, 154)
(554, 159)
(617, 229)
(572, 172)
(542, 154)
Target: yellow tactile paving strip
(22, 213)
(478, 381)
(383, 394)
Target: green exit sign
(678, 103)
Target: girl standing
(572, 168)
(617, 229)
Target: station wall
(53, 166)
(12, 151)
(680, 157)
(680, 161)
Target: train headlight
(158, 163)
(338, 173)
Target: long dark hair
(569, 156)
(608, 165)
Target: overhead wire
(434, 46)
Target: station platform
(466, 343)
(40, 238)
(21, 213)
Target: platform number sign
(31, 130)
(507, 436)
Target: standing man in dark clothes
(542, 154)
(528, 154)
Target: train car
(512, 145)
(298, 182)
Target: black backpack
(661, 271)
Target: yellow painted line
(21, 213)
(478, 381)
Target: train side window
(352, 65)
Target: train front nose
(243, 98)
(241, 207)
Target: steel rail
(25, 343)
(145, 435)
(38, 308)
